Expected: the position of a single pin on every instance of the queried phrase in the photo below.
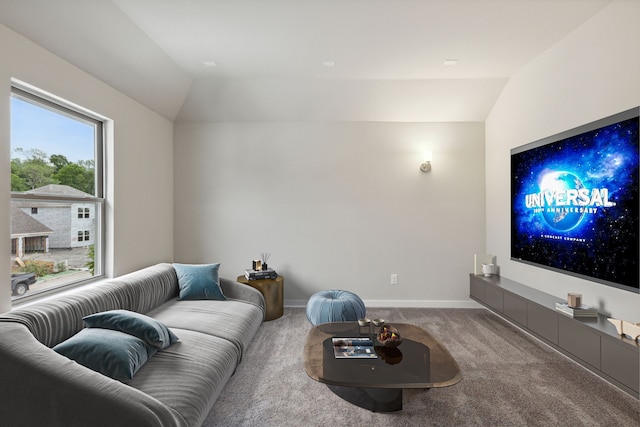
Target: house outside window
(57, 195)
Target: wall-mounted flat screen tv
(575, 202)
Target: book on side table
(269, 273)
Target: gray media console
(592, 342)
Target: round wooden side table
(273, 292)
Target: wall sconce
(426, 165)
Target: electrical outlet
(394, 278)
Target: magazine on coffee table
(349, 348)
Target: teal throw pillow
(148, 329)
(199, 281)
(112, 353)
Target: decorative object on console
(574, 300)
(623, 327)
(489, 269)
(480, 259)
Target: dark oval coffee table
(376, 384)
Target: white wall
(140, 157)
(338, 205)
(591, 74)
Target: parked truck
(20, 283)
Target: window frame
(42, 99)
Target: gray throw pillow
(112, 353)
(148, 329)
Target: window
(57, 195)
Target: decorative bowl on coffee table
(388, 336)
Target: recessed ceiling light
(210, 63)
(450, 62)
(328, 64)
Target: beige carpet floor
(509, 379)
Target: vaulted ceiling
(259, 60)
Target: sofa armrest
(235, 290)
(41, 387)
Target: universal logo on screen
(563, 200)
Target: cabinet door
(493, 297)
(579, 341)
(477, 289)
(515, 308)
(621, 362)
(543, 322)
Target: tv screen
(575, 202)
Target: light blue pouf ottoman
(334, 306)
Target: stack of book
(582, 311)
(269, 273)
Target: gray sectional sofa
(177, 386)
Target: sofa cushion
(235, 321)
(151, 331)
(190, 375)
(199, 281)
(112, 353)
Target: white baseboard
(422, 304)
(402, 303)
(295, 303)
